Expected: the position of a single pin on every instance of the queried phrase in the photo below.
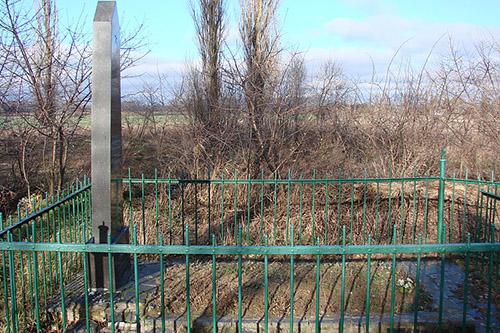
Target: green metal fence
(316, 207)
(38, 287)
(193, 222)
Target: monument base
(98, 265)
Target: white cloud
(380, 37)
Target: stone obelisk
(107, 198)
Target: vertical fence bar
(4, 278)
(426, 213)
(342, 291)
(351, 228)
(466, 285)
(111, 300)
(196, 209)
(313, 205)
(364, 208)
(235, 207)
(402, 203)
(240, 273)
(326, 210)
(275, 205)
(464, 230)
(417, 287)
(170, 208)
(156, 206)
(441, 285)
(318, 276)
(291, 281)
(266, 287)
(414, 220)
(222, 211)
(143, 215)
(288, 208)
(61, 284)
(188, 301)
(248, 209)
(490, 281)
(136, 284)
(339, 208)
(23, 285)
(182, 206)
(452, 217)
(393, 279)
(30, 270)
(368, 284)
(377, 201)
(209, 194)
(301, 201)
(442, 179)
(162, 286)
(214, 287)
(262, 207)
(13, 293)
(389, 208)
(85, 282)
(130, 209)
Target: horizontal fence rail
(25, 280)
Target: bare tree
(51, 71)
(260, 39)
(47, 70)
(208, 17)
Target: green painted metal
(292, 275)
(235, 209)
(276, 205)
(326, 211)
(441, 285)
(490, 281)
(85, 284)
(54, 241)
(301, 202)
(368, 284)
(214, 288)
(162, 288)
(136, 280)
(196, 211)
(313, 198)
(262, 209)
(416, 305)
(393, 280)
(318, 277)
(266, 287)
(342, 286)
(389, 211)
(111, 290)
(188, 298)
(351, 230)
(240, 273)
(364, 210)
(222, 212)
(61, 281)
(442, 179)
(288, 208)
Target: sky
(358, 34)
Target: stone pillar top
(105, 11)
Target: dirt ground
(253, 287)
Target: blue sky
(353, 32)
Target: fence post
(442, 179)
